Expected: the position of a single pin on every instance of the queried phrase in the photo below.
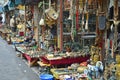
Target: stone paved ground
(13, 67)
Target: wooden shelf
(85, 33)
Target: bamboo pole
(114, 46)
(61, 24)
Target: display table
(64, 61)
(31, 60)
(67, 74)
(42, 64)
(44, 68)
(61, 71)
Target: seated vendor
(56, 50)
(51, 48)
(29, 35)
(32, 43)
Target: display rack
(84, 37)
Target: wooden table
(64, 61)
(31, 60)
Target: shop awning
(11, 5)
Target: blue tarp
(1, 9)
(17, 2)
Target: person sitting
(29, 35)
(56, 50)
(51, 48)
(32, 43)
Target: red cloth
(28, 57)
(110, 43)
(64, 61)
(44, 60)
(21, 33)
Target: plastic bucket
(46, 77)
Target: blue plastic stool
(46, 77)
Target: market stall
(75, 71)
(63, 59)
(31, 61)
(30, 55)
(26, 54)
(63, 74)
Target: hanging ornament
(86, 25)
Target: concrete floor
(13, 67)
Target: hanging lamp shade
(50, 16)
(42, 23)
(51, 13)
